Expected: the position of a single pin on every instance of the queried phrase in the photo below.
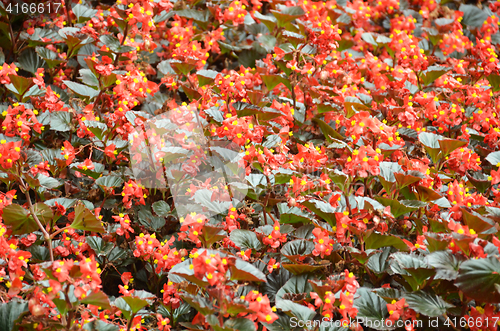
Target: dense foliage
(367, 133)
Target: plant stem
(32, 211)
(13, 49)
(418, 81)
(451, 323)
(129, 324)
(125, 33)
(68, 302)
(66, 3)
(58, 231)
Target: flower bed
(249, 165)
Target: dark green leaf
(295, 285)
(287, 14)
(328, 131)
(479, 180)
(361, 256)
(48, 182)
(204, 198)
(165, 68)
(60, 121)
(85, 220)
(275, 281)
(368, 37)
(240, 324)
(116, 254)
(161, 208)
(109, 181)
(10, 312)
(196, 15)
(296, 249)
(371, 307)
(147, 219)
(43, 212)
(427, 194)
(473, 16)
(268, 42)
(323, 210)
(397, 208)
(62, 305)
(293, 214)
(263, 114)
(402, 261)
(199, 303)
(81, 89)
(20, 84)
(182, 67)
(269, 21)
(302, 313)
(182, 271)
(388, 170)
(378, 262)
(30, 61)
(427, 304)
(446, 264)
(206, 76)
(122, 305)
(211, 234)
(17, 218)
(135, 303)
(477, 279)
(449, 145)
(432, 73)
(405, 180)
(477, 222)
(163, 16)
(98, 325)
(418, 276)
(83, 13)
(242, 270)
(298, 269)
(114, 44)
(98, 299)
(39, 253)
(216, 114)
(389, 294)
(272, 81)
(374, 240)
(245, 239)
(88, 77)
(294, 38)
(494, 82)
(95, 173)
(494, 158)
(99, 246)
